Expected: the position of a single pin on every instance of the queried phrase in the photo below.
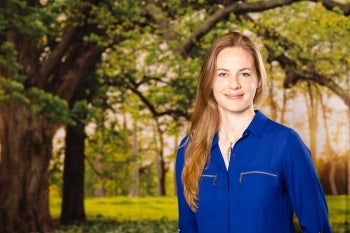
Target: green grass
(125, 208)
(159, 215)
(113, 226)
(339, 213)
(339, 208)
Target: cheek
(214, 93)
(253, 87)
(217, 87)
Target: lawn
(159, 215)
(125, 208)
(339, 213)
(124, 215)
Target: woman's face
(235, 82)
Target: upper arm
(187, 221)
(304, 187)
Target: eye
(222, 74)
(245, 74)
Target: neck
(232, 126)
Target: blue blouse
(270, 177)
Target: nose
(234, 83)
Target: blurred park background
(96, 94)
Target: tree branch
(234, 8)
(176, 113)
(330, 5)
(156, 14)
(56, 56)
(295, 73)
(70, 72)
(239, 7)
(133, 86)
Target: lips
(234, 96)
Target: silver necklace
(229, 150)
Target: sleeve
(304, 188)
(187, 221)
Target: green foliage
(106, 147)
(110, 159)
(35, 21)
(52, 106)
(115, 20)
(318, 39)
(38, 101)
(8, 63)
(11, 90)
(81, 111)
(110, 146)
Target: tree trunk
(176, 144)
(270, 90)
(332, 176)
(134, 187)
(26, 148)
(73, 175)
(161, 171)
(332, 157)
(312, 119)
(284, 107)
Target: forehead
(234, 56)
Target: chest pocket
(209, 179)
(207, 186)
(257, 184)
(208, 191)
(256, 174)
(259, 190)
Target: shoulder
(287, 138)
(184, 141)
(183, 145)
(181, 149)
(278, 132)
(280, 129)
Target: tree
(73, 185)
(90, 90)
(74, 161)
(46, 51)
(52, 45)
(306, 58)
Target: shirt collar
(256, 127)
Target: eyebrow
(246, 68)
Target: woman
(238, 171)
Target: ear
(258, 87)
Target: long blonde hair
(205, 117)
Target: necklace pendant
(229, 149)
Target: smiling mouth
(234, 96)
